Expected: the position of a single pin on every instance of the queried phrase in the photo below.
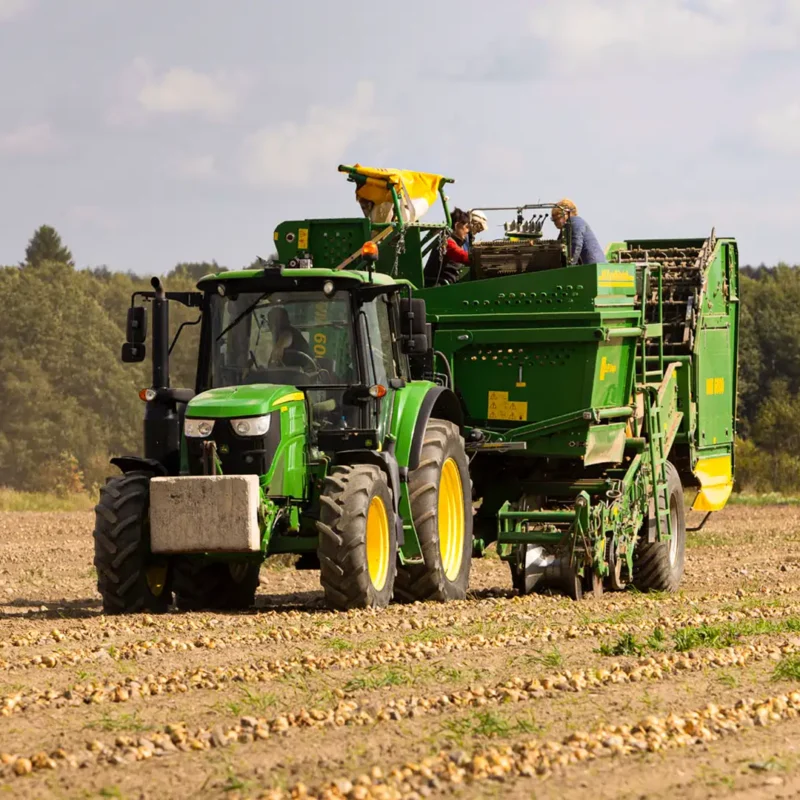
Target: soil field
(690, 695)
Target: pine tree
(46, 245)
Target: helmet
(477, 222)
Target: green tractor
(305, 434)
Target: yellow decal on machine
(500, 407)
(715, 385)
(288, 398)
(302, 239)
(606, 368)
(615, 278)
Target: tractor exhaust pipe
(160, 336)
(162, 434)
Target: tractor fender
(414, 406)
(138, 464)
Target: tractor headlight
(197, 428)
(251, 426)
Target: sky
(151, 132)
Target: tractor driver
(289, 346)
(585, 249)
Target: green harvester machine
(388, 431)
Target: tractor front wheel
(217, 586)
(357, 538)
(129, 578)
(441, 507)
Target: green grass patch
(120, 723)
(12, 500)
(767, 499)
(787, 669)
(489, 725)
(379, 678)
(626, 645)
(728, 634)
(713, 636)
(340, 645)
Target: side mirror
(417, 344)
(412, 316)
(132, 352)
(136, 329)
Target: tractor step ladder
(658, 464)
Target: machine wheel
(525, 574)
(658, 566)
(217, 586)
(129, 579)
(441, 507)
(357, 538)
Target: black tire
(658, 566)
(350, 496)
(216, 586)
(438, 578)
(127, 574)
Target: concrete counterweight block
(205, 513)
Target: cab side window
(379, 342)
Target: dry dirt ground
(626, 696)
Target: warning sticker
(500, 407)
(302, 239)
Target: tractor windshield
(297, 338)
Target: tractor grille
(683, 276)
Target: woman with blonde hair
(583, 247)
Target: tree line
(67, 402)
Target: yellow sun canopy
(417, 191)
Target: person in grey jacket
(584, 247)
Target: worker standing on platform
(582, 244)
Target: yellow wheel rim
(377, 543)
(451, 519)
(156, 578)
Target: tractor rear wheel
(441, 507)
(129, 578)
(658, 566)
(357, 538)
(216, 586)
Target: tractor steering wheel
(311, 362)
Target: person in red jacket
(441, 271)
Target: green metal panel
(714, 386)
(228, 402)
(287, 476)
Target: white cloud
(778, 129)
(27, 140)
(13, 8)
(178, 90)
(586, 31)
(291, 153)
(203, 166)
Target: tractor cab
(332, 340)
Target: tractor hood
(253, 400)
